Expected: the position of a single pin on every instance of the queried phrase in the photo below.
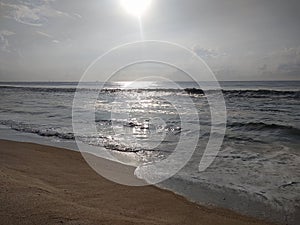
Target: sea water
(256, 171)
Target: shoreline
(46, 185)
(205, 194)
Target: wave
(235, 92)
(114, 144)
(111, 143)
(39, 89)
(261, 126)
(242, 139)
(29, 128)
(262, 93)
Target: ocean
(258, 162)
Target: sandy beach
(47, 185)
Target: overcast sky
(55, 40)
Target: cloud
(264, 67)
(285, 62)
(30, 13)
(289, 68)
(4, 43)
(52, 38)
(288, 54)
(44, 34)
(77, 15)
(207, 52)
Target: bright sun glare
(136, 7)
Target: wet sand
(48, 185)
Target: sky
(56, 40)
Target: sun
(136, 7)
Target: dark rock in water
(194, 91)
(130, 124)
(289, 184)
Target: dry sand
(45, 185)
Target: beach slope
(47, 185)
